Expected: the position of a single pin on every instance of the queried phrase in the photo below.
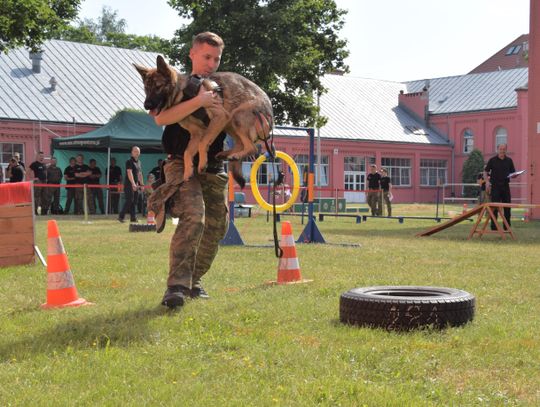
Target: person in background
(115, 178)
(386, 186)
(483, 196)
(18, 157)
(133, 182)
(82, 172)
(156, 171)
(499, 168)
(15, 171)
(374, 199)
(54, 177)
(95, 193)
(39, 169)
(69, 176)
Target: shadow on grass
(97, 331)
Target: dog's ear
(142, 70)
(162, 66)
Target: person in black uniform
(156, 171)
(386, 186)
(15, 171)
(374, 198)
(498, 168)
(133, 182)
(69, 176)
(114, 179)
(39, 169)
(82, 172)
(95, 193)
(54, 177)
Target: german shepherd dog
(246, 113)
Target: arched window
(501, 137)
(468, 141)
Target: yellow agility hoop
(255, 187)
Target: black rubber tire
(402, 308)
(133, 227)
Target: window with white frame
(501, 137)
(265, 174)
(399, 170)
(302, 161)
(7, 150)
(432, 172)
(468, 141)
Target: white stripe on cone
(289, 264)
(287, 241)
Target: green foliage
(284, 46)
(109, 30)
(473, 165)
(31, 22)
(253, 344)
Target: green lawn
(253, 344)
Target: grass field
(253, 344)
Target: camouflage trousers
(200, 204)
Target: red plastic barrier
(15, 193)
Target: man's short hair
(209, 38)
(80, 155)
(92, 160)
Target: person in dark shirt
(498, 169)
(39, 169)
(483, 196)
(82, 172)
(374, 198)
(15, 172)
(95, 193)
(69, 176)
(133, 182)
(386, 186)
(156, 171)
(18, 157)
(115, 178)
(54, 177)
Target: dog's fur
(246, 114)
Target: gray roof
(473, 92)
(367, 109)
(94, 82)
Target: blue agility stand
(311, 233)
(232, 238)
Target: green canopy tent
(125, 130)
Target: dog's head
(159, 85)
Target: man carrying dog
(200, 202)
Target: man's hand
(208, 98)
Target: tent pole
(108, 180)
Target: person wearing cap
(374, 198)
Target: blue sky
(395, 40)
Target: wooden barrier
(16, 224)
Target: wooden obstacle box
(16, 224)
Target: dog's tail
(236, 170)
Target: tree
(473, 165)
(109, 30)
(284, 46)
(31, 22)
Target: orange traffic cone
(61, 290)
(151, 218)
(288, 267)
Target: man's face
(113, 162)
(39, 158)
(135, 152)
(92, 164)
(502, 150)
(373, 170)
(53, 162)
(205, 59)
(80, 159)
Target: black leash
(271, 150)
